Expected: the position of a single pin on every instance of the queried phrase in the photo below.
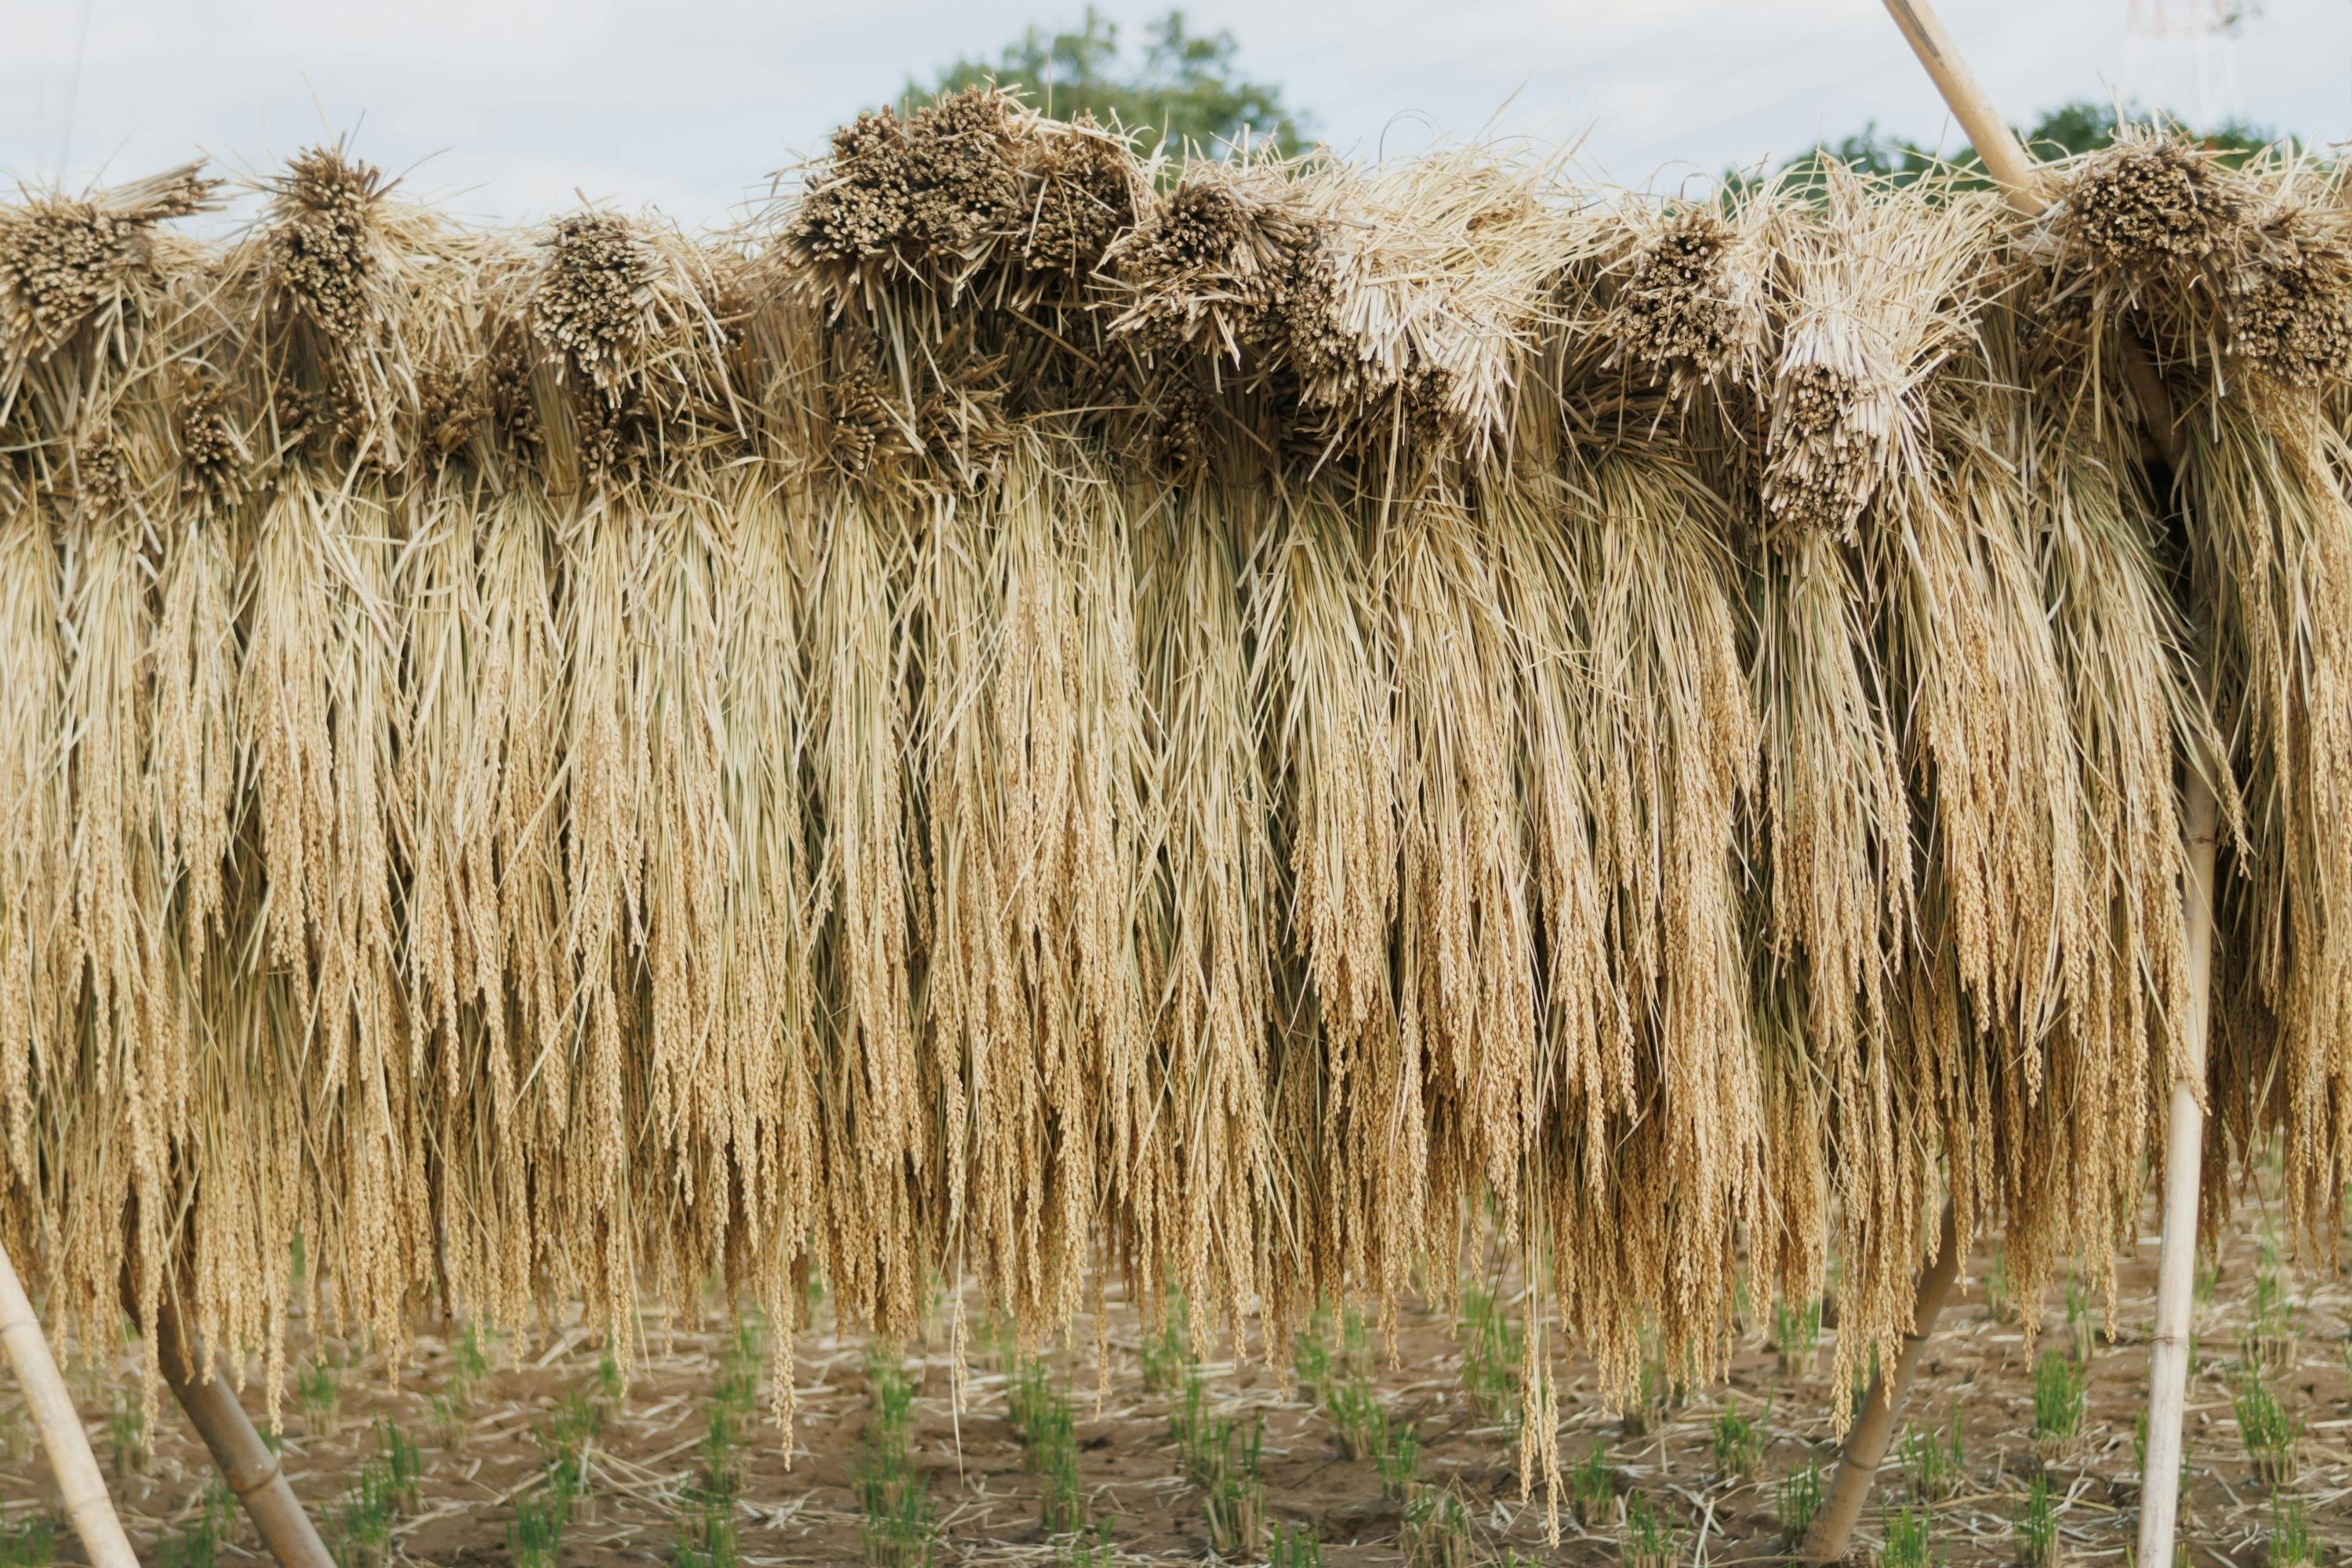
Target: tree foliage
(2081, 126)
(1187, 86)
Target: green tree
(1187, 88)
(2078, 127)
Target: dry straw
(1256, 726)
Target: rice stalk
(1203, 1159)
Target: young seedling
(707, 1534)
(1658, 1390)
(1998, 1306)
(1592, 1488)
(1200, 1442)
(1043, 1420)
(2271, 1334)
(1398, 1459)
(605, 1392)
(2037, 1526)
(1436, 1530)
(1936, 1462)
(2272, 1437)
(1797, 1336)
(898, 1527)
(1907, 1540)
(318, 1395)
(468, 1367)
(1738, 1443)
(706, 1529)
(1359, 1423)
(1800, 1499)
(1491, 1348)
(1080, 1550)
(403, 1466)
(2290, 1543)
(2059, 1400)
(1233, 1491)
(565, 1442)
(1167, 1352)
(1295, 1546)
(30, 1543)
(1310, 1359)
(1649, 1541)
(196, 1544)
(126, 1434)
(365, 1515)
(2082, 1330)
(537, 1533)
(2139, 1458)
(2208, 1275)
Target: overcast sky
(509, 107)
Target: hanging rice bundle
(1207, 269)
(1324, 679)
(1466, 1002)
(33, 1016)
(335, 270)
(2243, 274)
(876, 1134)
(1202, 1158)
(1685, 297)
(2234, 271)
(2272, 546)
(1841, 890)
(94, 320)
(975, 193)
(1868, 289)
(629, 353)
(1419, 292)
(1032, 743)
(1002, 725)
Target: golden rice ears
(1016, 720)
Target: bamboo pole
(1996, 146)
(79, 1482)
(2184, 1157)
(251, 1470)
(1874, 1429)
(2184, 1139)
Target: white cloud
(689, 105)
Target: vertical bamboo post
(1874, 1429)
(2184, 1139)
(2184, 1156)
(251, 1470)
(79, 1482)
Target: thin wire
(73, 89)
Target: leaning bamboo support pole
(2004, 158)
(1874, 1429)
(79, 1482)
(251, 1470)
(2184, 1139)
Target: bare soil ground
(645, 1457)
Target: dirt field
(639, 1470)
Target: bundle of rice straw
(1418, 296)
(975, 193)
(1871, 296)
(2244, 275)
(1685, 295)
(1208, 268)
(1269, 737)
